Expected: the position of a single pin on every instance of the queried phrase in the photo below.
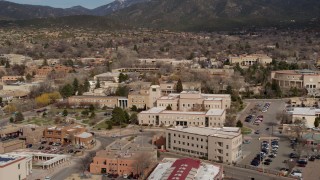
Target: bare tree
(85, 161)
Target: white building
(306, 114)
(15, 167)
(248, 60)
(215, 144)
(158, 116)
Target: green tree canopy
(179, 87)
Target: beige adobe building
(217, 144)
(195, 101)
(11, 145)
(11, 79)
(101, 101)
(298, 78)
(75, 134)
(248, 60)
(160, 117)
(145, 97)
(15, 167)
(126, 160)
(306, 114)
(170, 87)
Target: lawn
(38, 121)
(102, 125)
(245, 130)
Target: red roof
(182, 167)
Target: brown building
(73, 133)
(127, 161)
(44, 71)
(10, 131)
(11, 145)
(12, 79)
(145, 97)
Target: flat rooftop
(187, 168)
(161, 110)
(224, 132)
(306, 111)
(7, 159)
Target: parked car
(257, 132)
(43, 142)
(41, 147)
(312, 158)
(246, 141)
(266, 163)
(50, 143)
(48, 148)
(293, 155)
(296, 173)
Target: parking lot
(56, 148)
(264, 125)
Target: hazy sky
(65, 3)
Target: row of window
(191, 144)
(190, 151)
(190, 123)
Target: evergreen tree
(19, 117)
(65, 113)
(66, 91)
(75, 85)
(45, 62)
(7, 65)
(127, 116)
(80, 90)
(98, 84)
(239, 124)
(91, 108)
(316, 122)
(86, 85)
(134, 108)
(118, 116)
(179, 87)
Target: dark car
(268, 160)
(255, 163)
(41, 147)
(266, 163)
(312, 158)
(29, 146)
(70, 151)
(301, 165)
(293, 155)
(48, 148)
(317, 156)
(43, 142)
(50, 143)
(271, 156)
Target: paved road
(75, 167)
(245, 174)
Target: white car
(54, 149)
(47, 178)
(296, 173)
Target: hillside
(216, 14)
(115, 6)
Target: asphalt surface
(252, 149)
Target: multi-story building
(161, 117)
(60, 70)
(215, 144)
(298, 78)
(128, 160)
(15, 167)
(195, 100)
(11, 131)
(248, 60)
(101, 101)
(75, 134)
(145, 98)
(171, 168)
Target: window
(18, 166)
(227, 147)
(227, 154)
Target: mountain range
(171, 14)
